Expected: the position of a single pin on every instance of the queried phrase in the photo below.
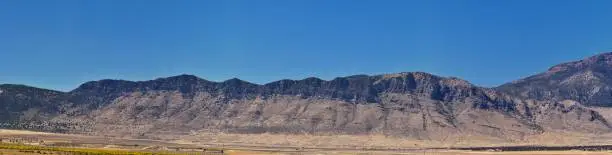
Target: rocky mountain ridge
(587, 81)
(409, 104)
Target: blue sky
(61, 44)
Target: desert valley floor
(269, 144)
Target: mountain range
(567, 97)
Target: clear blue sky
(61, 44)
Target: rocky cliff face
(587, 81)
(413, 104)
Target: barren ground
(268, 144)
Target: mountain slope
(414, 104)
(24, 107)
(587, 81)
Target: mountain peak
(237, 81)
(417, 75)
(312, 79)
(603, 54)
(599, 60)
(20, 87)
(603, 58)
(103, 84)
(182, 77)
(586, 81)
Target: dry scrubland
(31, 149)
(270, 144)
(385, 142)
(16, 142)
